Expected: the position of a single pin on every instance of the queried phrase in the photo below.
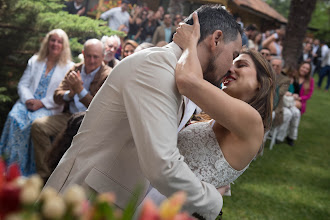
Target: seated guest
(63, 141)
(76, 91)
(111, 45)
(128, 48)
(303, 86)
(76, 7)
(285, 116)
(41, 77)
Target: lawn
(289, 182)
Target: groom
(129, 133)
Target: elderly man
(287, 118)
(118, 18)
(76, 91)
(129, 133)
(111, 45)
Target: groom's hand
(223, 190)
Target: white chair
(271, 135)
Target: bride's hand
(188, 71)
(187, 35)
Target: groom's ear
(217, 38)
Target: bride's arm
(235, 115)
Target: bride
(219, 151)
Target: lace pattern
(201, 151)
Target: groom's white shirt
(129, 136)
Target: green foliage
(281, 6)
(321, 20)
(4, 98)
(289, 182)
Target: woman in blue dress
(41, 77)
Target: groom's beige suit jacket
(129, 136)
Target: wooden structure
(251, 12)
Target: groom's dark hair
(214, 17)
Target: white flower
(74, 195)
(48, 193)
(34, 181)
(14, 217)
(54, 208)
(29, 194)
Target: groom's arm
(152, 102)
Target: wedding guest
(148, 28)
(118, 17)
(317, 54)
(111, 45)
(128, 48)
(287, 118)
(218, 152)
(135, 22)
(177, 20)
(134, 119)
(43, 74)
(76, 7)
(303, 86)
(76, 92)
(306, 55)
(62, 142)
(282, 85)
(164, 32)
(274, 42)
(325, 71)
(265, 52)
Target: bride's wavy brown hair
(263, 99)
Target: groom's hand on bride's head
(222, 190)
(187, 35)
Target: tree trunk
(299, 17)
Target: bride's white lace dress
(201, 151)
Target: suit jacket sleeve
(152, 101)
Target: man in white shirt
(118, 18)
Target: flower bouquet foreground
(21, 198)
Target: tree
(321, 20)
(298, 20)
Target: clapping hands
(75, 83)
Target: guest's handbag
(288, 101)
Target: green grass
(289, 182)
